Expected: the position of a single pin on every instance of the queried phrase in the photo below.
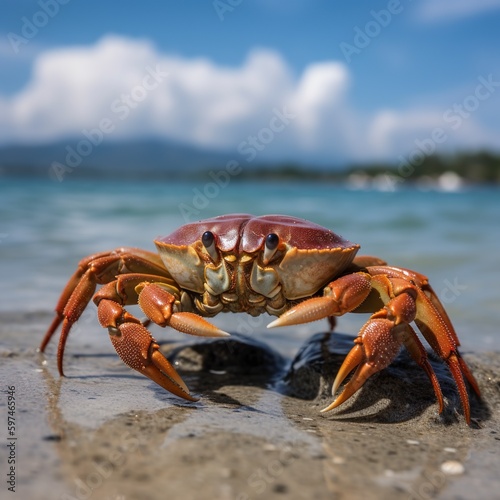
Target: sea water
(453, 237)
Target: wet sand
(106, 432)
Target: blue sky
(249, 59)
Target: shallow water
(47, 226)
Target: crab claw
(341, 296)
(375, 349)
(304, 312)
(193, 324)
(157, 304)
(139, 350)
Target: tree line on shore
(475, 168)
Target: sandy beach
(105, 432)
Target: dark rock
(238, 355)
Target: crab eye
(272, 242)
(208, 240)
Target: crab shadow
(398, 393)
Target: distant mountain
(154, 159)
(128, 158)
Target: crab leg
(138, 349)
(435, 324)
(419, 354)
(132, 341)
(405, 296)
(380, 339)
(364, 261)
(68, 291)
(95, 269)
(376, 347)
(144, 280)
(423, 283)
(435, 330)
(157, 300)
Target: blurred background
(123, 120)
(190, 83)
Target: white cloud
(444, 10)
(317, 96)
(204, 104)
(392, 131)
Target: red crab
(287, 267)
